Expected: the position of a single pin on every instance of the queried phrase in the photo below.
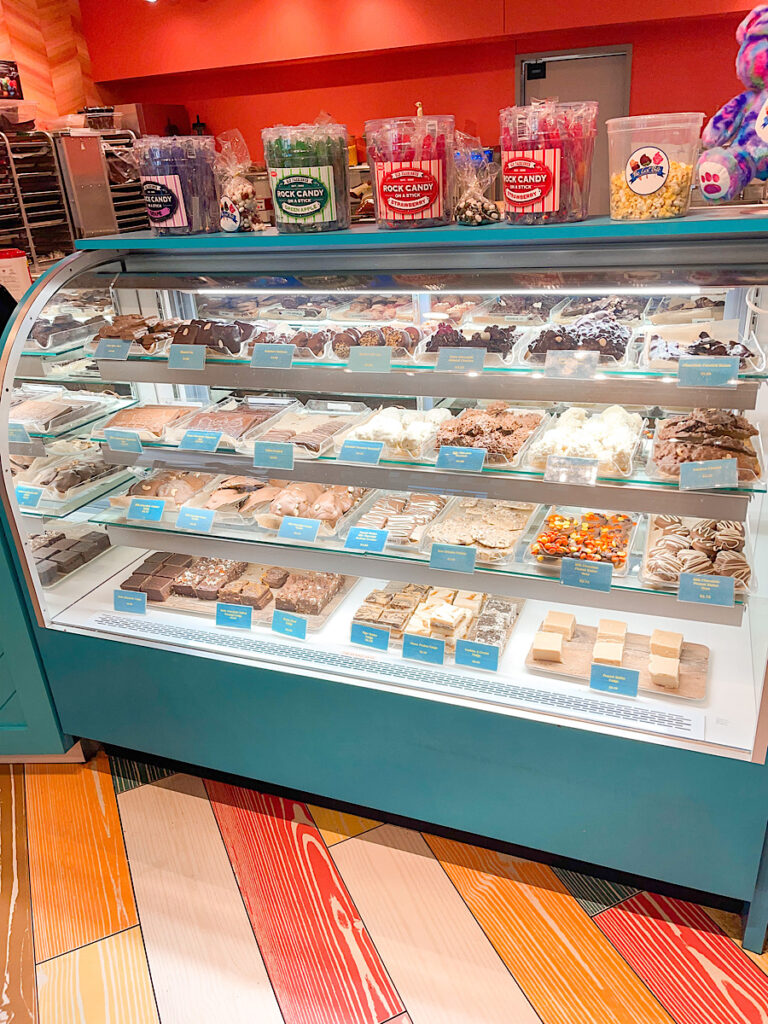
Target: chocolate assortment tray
(405, 515)
(297, 307)
(677, 544)
(148, 335)
(598, 333)
(522, 310)
(504, 431)
(451, 306)
(331, 505)
(680, 309)
(492, 527)
(700, 435)
(594, 536)
(630, 310)
(148, 420)
(611, 435)
(663, 346)
(175, 487)
(310, 428)
(172, 581)
(376, 307)
(47, 410)
(65, 339)
(408, 435)
(65, 479)
(57, 554)
(499, 342)
(311, 341)
(238, 420)
(403, 339)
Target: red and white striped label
(165, 200)
(531, 180)
(409, 189)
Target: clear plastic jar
(179, 184)
(308, 168)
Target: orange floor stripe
(17, 961)
(560, 959)
(336, 825)
(81, 887)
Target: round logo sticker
(761, 122)
(161, 202)
(409, 190)
(526, 181)
(230, 215)
(300, 195)
(646, 171)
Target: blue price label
(423, 648)
(366, 453)
(296, 528)
(28, 496)
(455, 557)
(113, 348)
(708, 372)
(186, 357)
(122, 440)
(133, 601)
(18, 434)
(370, 359)
(236, 616)
(273, 454)
(709, 475)
(369, 636)
(148, 510)
(201, 440)
(198, 519)
(586, 575)
(275, 356)
(720, 590)
(475, 655)
(361, 539)
(461, 360)
(289, 624)
(610, 679)
(471, 460)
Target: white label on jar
(761, 122)
(647, 170)
(531, 180)
(230, 218)
(165, 200)
(409, 189)
(303, 195)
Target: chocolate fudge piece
(166, 570)
(308, 595)
(275, 577)
(67, 560)
(156, 556)
(134, 582)
(182, 560)
(249, 592)
(157, 588)
(47, 571)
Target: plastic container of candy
(179, 183)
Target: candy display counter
(491, 507)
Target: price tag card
(148, 510)
(370, 359)
(296, 528)
(461, 360)
(586, 575)
(289, 624)
(272, 356)
(366, 453)
(610, 679)
(369, 636)
(475, 655)
(709, 475)
(564, 469)
(186, 357)
(18, 434)
(574, 365)
(236, 616)
(471, 460)
(28, 496)
(122, 440)
(457, 557)
(200, 440)
(273, 454)
(113, 348)
(708, 372)
(423, 648)
(361, 539)
(707, 589)
(134, 601)
(198, 519)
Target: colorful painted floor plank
(692, 967)
(202, 953)
(733, 927)
(560, 959)
(17, 958)
(106, 982)
(81, 887)
(594, 894)
(128, 774)
(335, 826)
(320, 958)
(442, 963)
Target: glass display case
(533, 489)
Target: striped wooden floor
(132, 895)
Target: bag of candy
(240, 204)
(475, 175)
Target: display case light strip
(672, 289)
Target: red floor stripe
(689, 964)
(320, 958)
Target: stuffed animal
(736, 139)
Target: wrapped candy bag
(474, 177)
(240, 204)
(178, 182)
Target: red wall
(677, 65)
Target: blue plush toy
(736, 139)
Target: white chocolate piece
(608, 652)
(560, 622)
(612, 629)
(664, 671)
(666, 644)
(548, 646)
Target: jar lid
(688, 119)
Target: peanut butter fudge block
(249, 592)
(548, 646)
(308, 595)
(368, 613)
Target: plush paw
(722, 174)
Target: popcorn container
(652, 159)
(412, 163)
(308, 168)
(179, 184)
(546, 161)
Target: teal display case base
(756, 912)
